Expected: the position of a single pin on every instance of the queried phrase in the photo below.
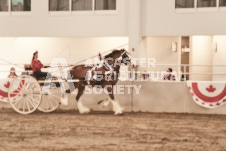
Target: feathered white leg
(64, 99)
(82, 109)
(105, 102)
(117, 108)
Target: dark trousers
(42, 75)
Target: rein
(97, 55)
(105, 64)
(77, 63)
(11, 63)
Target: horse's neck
(116, 68)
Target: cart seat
(27, 67)
(28, 70)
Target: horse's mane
(111, 55)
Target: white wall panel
(161, 19)
(39, 23)
(201, 54)
(219, 57)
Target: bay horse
(110, 69)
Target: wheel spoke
(35, 101)
(55, 96)
(54, 100)
(23, 106)
(36, 91)
(31, 102)
(44, 104)
(28, 106)
(20, 104)
(16, 93)
(24, 94)
(28, 85)
(56, 91)
(48, 104)
(51, 103)
(32, 85)
(16, 102)
(21, 85)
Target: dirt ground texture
(68, 130)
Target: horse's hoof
(84, 111)
(119, 113)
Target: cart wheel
(51, 97)
(24, 94)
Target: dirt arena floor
(68, 130)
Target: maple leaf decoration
(211, 89)
(7, 85)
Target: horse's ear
(122, 50)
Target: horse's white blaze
(116, 107)
(82, 109)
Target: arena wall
(156, 97)
(160, 97)
(170, 97)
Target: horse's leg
(116, 106)
(104, 102)
(64, 96)
(82, 109)
(72, 87)
(69, 87)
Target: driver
(36, 67)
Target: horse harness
(103, 63)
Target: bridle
(104, 63)
(125, 52)
(109, 67)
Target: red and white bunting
(208, 94)
(4, 88)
